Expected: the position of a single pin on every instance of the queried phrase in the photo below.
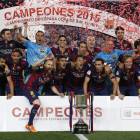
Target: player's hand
(48, 56)
(15, 27)
(107, 69)
(6, 69)
(9, 96)
(121, 96)
(62, 95)
(112, 96)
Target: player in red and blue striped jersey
(96, 77)
(9, 86)
(58, 75)
(61, 49)
(76, 76)
(120, 43)
(81, 51)
(39, 77)
(91, 49)
(125, 78)
(16, 66)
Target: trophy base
(80, 127)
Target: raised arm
(19, 36)
(38, 63)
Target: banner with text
(65, 14)
(53, 114)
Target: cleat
(31, 128)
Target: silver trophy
(81, 102)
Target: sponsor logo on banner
(130, 113)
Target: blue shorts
(18, 91)
(131, 90)
(102, 92)
(76, 92)
(30, 94)
(49, 92)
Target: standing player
(35, 51)
(120, 43)
(61, 49)
(17, 65)
(7, 44)
(96, 77)
(9, 87)
(81, 51)
(125, 78)
(111, 57)
(39, 77)
(76, 76)
(58, 75)
(91, 46)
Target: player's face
(39, 38)
(82, 49)
(99, 66)
(2, 62)
(49, 66)
(6, 36)
(128, 63)
(79, 63)
(62, 42)
(62, 63)
(120, 34)
(110, 45)
(90, 42)
(138, 47)
(16, 56)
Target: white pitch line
(81, 136)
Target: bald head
(90, 43)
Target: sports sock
(33, 113)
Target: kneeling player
(125, 77)
(9, 86)
(38, 78)
(17, 65)
(96, 77)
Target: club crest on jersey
(113, 56)
(131, 73)
(42, 50)
(66, 53)
(33, 96)
(48, 79)
(63, 74)
(18, 67)
(125, 45)
(11, 45)
(103, 75)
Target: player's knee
(37, 101)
